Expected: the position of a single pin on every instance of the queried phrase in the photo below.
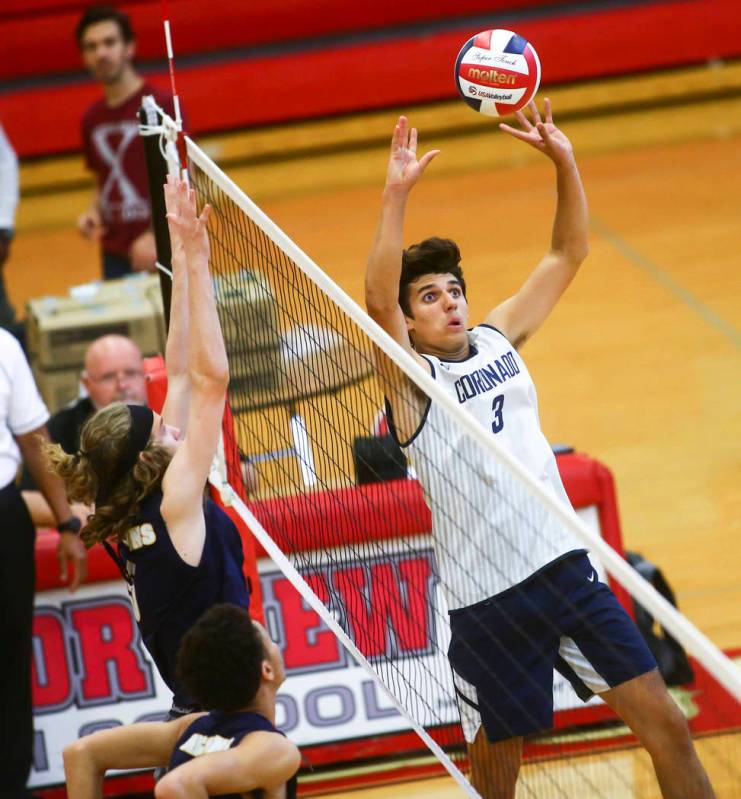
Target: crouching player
(232, 751)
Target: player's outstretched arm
(262, 760)
(521, 315)
(384, 271)
(384, 261)
(208, 372)
(177, 402)
(144, 745)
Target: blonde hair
(103, 439)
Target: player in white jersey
(522, 594)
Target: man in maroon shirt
(119, 215)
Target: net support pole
(157, 170)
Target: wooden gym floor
(639, 366)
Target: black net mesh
(342, 500)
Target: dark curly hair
(95, 14)
(432, 256)
(220, 659)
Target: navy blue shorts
(503, 650)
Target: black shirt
(64, 426)
(168, 594)
(64, 429)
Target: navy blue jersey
(216, 732)
(168, 594)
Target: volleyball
(497, 72)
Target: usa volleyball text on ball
(490, 95)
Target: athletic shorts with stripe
(503, 650)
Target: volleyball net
(338, 506)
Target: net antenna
(171, 64)
(156, 122)
(298, 346)
(166, 157)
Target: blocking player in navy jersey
(522, 593)
(232, 752)
(146, 472)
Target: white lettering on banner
(91, 670)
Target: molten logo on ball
(518, 69)
(489, 76)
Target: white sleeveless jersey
(489, 533)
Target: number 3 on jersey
(496, 407)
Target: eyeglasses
(123, 375)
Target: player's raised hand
(186, 225)
(542, 134)
(404, 169)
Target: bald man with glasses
(113, 372)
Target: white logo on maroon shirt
(131, 206)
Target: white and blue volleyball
(497, 72)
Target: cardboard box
(138, 284)
(60, 329)
(249, 323)
(247, 311)
(58, 386)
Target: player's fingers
(413, 140)
(516, 132)
(400, 134)
(426, 158)
(548, 111)
(395, 138)
(534, 111)
(404, 125)
(523, 120)
(63, 565)
(205, 214)
(75, 580)
(399, 140)
(543, 130)
(80, 571)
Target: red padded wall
(282, 88)
(200, 27)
